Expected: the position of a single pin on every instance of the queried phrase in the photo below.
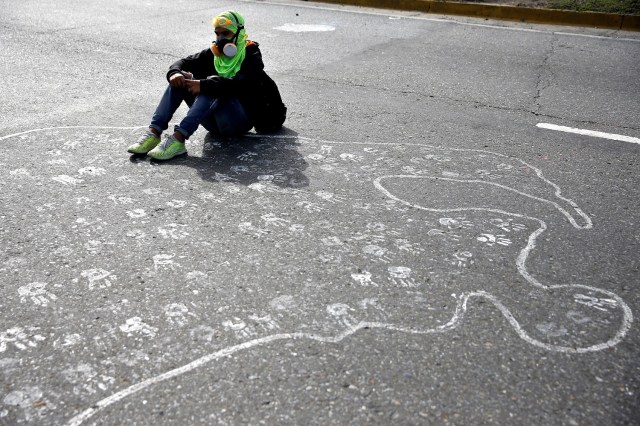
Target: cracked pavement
(410, 249)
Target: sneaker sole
(133, 151)
(169, 158)
(137, 153)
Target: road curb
(510, 13)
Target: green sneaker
(146, 143)
(169, 148)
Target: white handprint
(330, 197)
(340, 311)
(271, 219)
(98, 277)
(136, 325)
(462, 259)
(351, 157)
(455, 223)
(507, 225)
(364, 278)
(176, 314)
(401, 275)
(173, 231)
(491, 239)
(266, 322)
(379, 252)
(37, 293)
(247, 156)
(310, 207)
(239, 328)
(164, 261)
(20, 337)
(250, 228)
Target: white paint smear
(593, 133)
(304, 28)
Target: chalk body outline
(462, 299)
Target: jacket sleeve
(195, 64)
(250, 72)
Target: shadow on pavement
(252, 159)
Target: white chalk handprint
(176, 314)
(37, 293)
(20, 337)
(135, 325)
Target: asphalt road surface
(412, 248)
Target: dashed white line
(592, 133)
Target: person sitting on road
(226, 88)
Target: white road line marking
(592, 133)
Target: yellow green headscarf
(225, 66)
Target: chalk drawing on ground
(374, 220)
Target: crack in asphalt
(543, 80)
(122, 21)
(91, 41)
(476, 104)
(544, 75)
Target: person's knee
(232, 121)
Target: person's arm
(194, 64)
(221, 87)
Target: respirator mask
(225, 46)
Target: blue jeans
(225, 117)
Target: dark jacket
(256, 91)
